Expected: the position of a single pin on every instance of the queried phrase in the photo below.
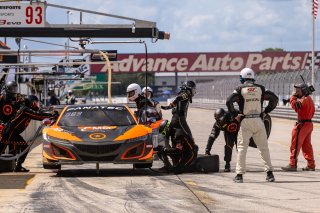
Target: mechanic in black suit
(9, 104)
(225, 122)
(12, 130)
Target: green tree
(273, 50)
(129, 78)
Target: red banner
(210, 62)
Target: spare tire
(207, 163)
(7, 165)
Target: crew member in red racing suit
(302, 104)
(13, 129)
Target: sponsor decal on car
(92, 128)
(97, 136)
(96, 107)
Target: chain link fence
(281, 83)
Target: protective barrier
(281, 83)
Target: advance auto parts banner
(210, 62)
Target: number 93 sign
(14, 14)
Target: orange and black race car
(97, 133)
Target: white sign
(22, 14)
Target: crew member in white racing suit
(250, 96)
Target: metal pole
(68, 14)
(49, 43)
(176, 81)
(18, 68)
(45, 90)
(313, 72)
(14, 52)
(54, 64)
(102, 14)
(116, 42)
(109, 75)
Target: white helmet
(133, 91)
(69, 91)
(147, 89)
(245, 74)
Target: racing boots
(289, 168)
(270, 177)
(207, 152)
(227, 167)
(307, 168)
(238, 178)
(20, 168)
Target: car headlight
(54, 139)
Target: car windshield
(96, 116)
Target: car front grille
(101, 159)
(98, 149)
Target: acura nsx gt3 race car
(97, 134)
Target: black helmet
(304, 88)
(32, 102)
(164, 127)
(191, 86)
(219, 114)
(11, 87)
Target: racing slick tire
(7, 165)
(207, 163)
(142, 165)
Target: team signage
(14, 14)
(210, 62)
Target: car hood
(97, 133)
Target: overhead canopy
(82, 32)
(29, 20)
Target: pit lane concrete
(118, 188)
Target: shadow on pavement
(118, 172)
(108, 173)
(15, 181)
